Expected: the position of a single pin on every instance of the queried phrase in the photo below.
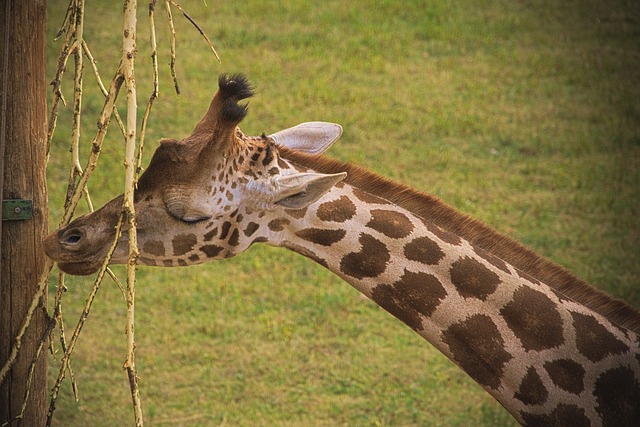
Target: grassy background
(522, 114)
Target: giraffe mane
(432, 209)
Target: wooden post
(23, 154)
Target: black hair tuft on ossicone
(234, 88)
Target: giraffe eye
(194, 219)
(72, 237)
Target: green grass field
(523, 114)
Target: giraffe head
(202, 198)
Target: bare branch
(78, 19)
(104, 91)
(57, 315)
(129, 212)
(66, 51)
(172, 64)
(96, 147)
(200, 30)
(154, 93)
(65, 20)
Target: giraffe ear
(310, 137)
(300, 190)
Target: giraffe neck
(543, 356)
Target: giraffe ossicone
(550, 348)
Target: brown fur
(432, 209)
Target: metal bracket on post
(17, 209)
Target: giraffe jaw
(79, 268)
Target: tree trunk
(23, 154)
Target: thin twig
(154, 92)
(57, 314)
(104, 91)
(172, 63)
(63, 26)
(200, 30)
(154, 47)
(65, 53)
(77, 89)
(117, 282)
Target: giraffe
(549, 347)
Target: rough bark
(23, 134)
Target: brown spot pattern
(492, 259)
(234, 240)
(472, 279)
(477, 346)
(154, 247)
(210, 234)
(594, 340)
(183, 243)
(423, 250)
(371, 261)
(562, 415)
(532, 391)
(566, 374)
(226, 227)
(535, 281)
(308, 253)
(278, 224)
(443, 235)
(252, 227)
(337, 211)
(296, 213)
(320, 236)
(617, 394)
(534, 319)
(211, 251)
(390, 223)
(415, 294)
(369, 198)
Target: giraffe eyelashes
(192, 220)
